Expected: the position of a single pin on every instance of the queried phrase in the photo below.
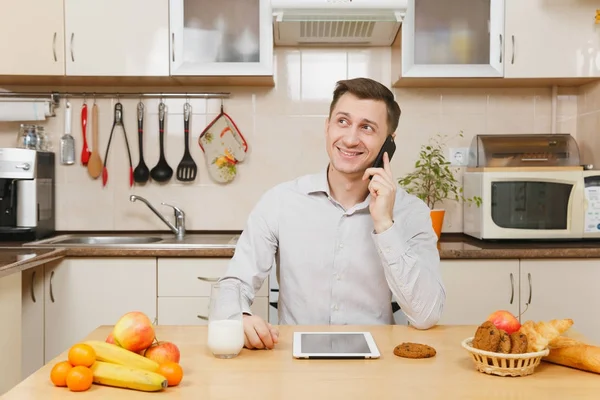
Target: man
(344, 243)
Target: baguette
(575, 354)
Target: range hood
(337, 22)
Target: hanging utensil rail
(55, 97)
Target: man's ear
(326, 125)
(394, 135)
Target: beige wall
(284, 128)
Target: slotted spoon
(187, 168)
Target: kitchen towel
(17, 110)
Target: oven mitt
(224, 147)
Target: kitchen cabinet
(551, 39)
(83, 293)
(32, 320)
(500, 39)
(562, 288)
(117, 38)
(194, 310)
(455, 38)
(184, 288)
(32, 34)
(221, 38)
(10, 331)
(476, 288)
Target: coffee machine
(27, 205)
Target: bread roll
(540, 334)
(575, 354)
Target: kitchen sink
(150, 241)
(100, 240)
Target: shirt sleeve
(410, 258)
(255, 250)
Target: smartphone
(388, 146)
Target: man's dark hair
(365, 88)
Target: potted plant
(433, 181)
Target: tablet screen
(334, 343)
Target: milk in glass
(225, 325)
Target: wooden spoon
(94, 166)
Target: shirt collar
(318, 183)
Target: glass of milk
(225, 324)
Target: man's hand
(259, 334)
(383, 194)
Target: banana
(122, 376)
(111, 353)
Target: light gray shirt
(332, 267)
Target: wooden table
(275, 374)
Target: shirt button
(335, 307)
(338, 277)
(341, 245)
(387, 249)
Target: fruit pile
(131, 357)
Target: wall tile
(284, 127)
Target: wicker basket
(504, 364)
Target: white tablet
(334, 345)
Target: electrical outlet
(458, 156)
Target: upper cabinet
(453, 38)
(221, 38)
(32, 34)
(551, 39)
(116, 38)
(539, 39)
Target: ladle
(162, 172)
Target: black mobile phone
(388, 146)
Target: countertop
(16, 259)
(18, 256)
(275, 374)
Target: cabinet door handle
(72, 56)
(203, 317)
(32, 291)
(173, 45)
(512, 288)
(202, 278)
(500, 47)
(51, 291)
(530, 289)
(54, 47)
(512, 61)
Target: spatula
(94, 165)
(187, 168)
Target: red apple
(163, 352)
(134, 331)
(504, 320)
(110, 339)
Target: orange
(172, 372)
(79, 379)
(58, 374)
(82, 354)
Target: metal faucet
(179, 227)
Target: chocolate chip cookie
(414, 350)
(518, 342)
(487, 337)
(505, 343)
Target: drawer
(193, 276)
(185, 310)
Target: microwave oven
(548, 204)
(531, 186)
